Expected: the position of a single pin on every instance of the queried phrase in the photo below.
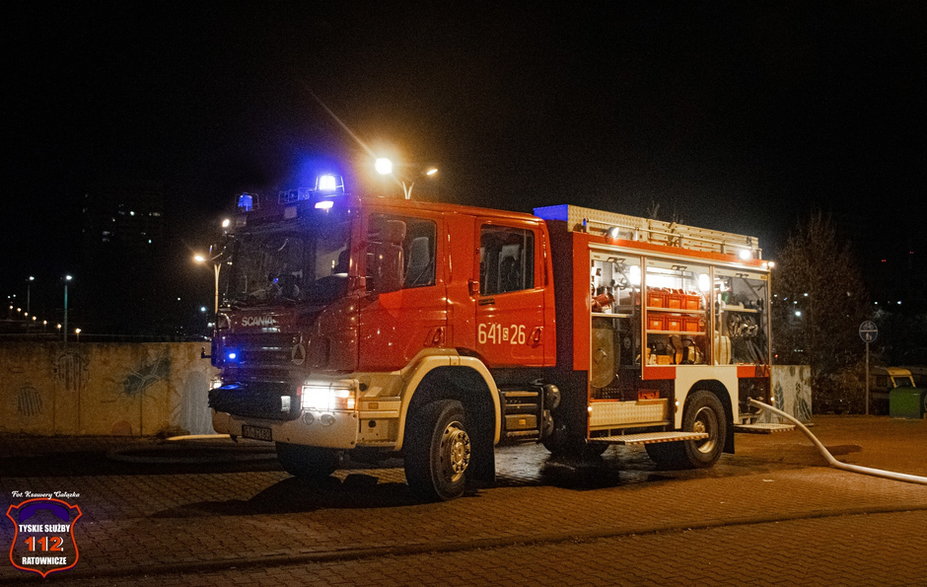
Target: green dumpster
(907, 402)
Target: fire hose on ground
(834, 462)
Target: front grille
(261, 350)
(258, 357)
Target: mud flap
(482, 470)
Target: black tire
(666, 454)
(704, 413)
(561, 443)
(438, 451)
(308, 462)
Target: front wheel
(307, 462)
(438, 451)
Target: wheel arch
(465, 379)
(721, 392)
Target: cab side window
(418, 249)
(506, 259)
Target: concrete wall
(140, 389)
(136, 389)
(791, 391)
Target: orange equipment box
(694, 324)
(674, 300)
(656, 298)
(693, 301)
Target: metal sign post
(868, 331)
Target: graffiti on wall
(109, 388)
(802, 408)
(192, 412)
(792, 391)
(147, 373)
(28, 401)
(71, 370)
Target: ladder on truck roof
(635, 228)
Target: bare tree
(819, 300)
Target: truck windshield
(288, 265)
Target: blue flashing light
(328, 183)
(232, 356)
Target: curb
(180, 450)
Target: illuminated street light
(29, 281)
(217, 267)
(64, 330)
(77, 334)
(384, 166)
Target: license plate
(256, 432)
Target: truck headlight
(327, 397)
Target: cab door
(511, 297)
(396, 323)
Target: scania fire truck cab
(372, 326)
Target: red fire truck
(368, 327)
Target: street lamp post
(217, 267)
(67, 279)
(29, 281)
(384, 166)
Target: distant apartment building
(123, 244)
(127, 221)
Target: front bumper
(311, 428)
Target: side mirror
(387, 267)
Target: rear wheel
(307, 462)
(704, 413)
(438, 451)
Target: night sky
(735, 116)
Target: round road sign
(868, 331)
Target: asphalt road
(215, 513)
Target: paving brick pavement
(861, 549)
(141, 519)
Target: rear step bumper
(649, 437)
